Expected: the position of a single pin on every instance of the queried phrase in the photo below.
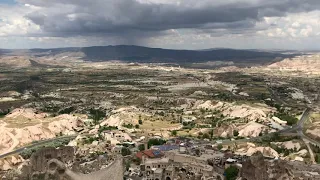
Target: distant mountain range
(157, 55)
(130, 53)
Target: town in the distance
(70, 114)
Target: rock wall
(40, 159)
(113, 171)
(255, 168)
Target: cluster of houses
(183, 159)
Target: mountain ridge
(141, 54)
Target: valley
(97, 107)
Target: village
(152, 152)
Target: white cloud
(301, 25)
(296, 24)
(13, 22)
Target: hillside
(157, 55)
(209, 58)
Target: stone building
(153, 167)
(157, 169)
(176, 165)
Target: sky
(174, 24)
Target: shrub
(125, 151)
(104, 128)
(235, 133)
(97, 115)
(155, 142)
(129, 126)
(205, 136)
(286, 117)
(231, 173)
(317, 158)
(174, 133)
(4, 113)
(141, 147)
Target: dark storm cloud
(131, 17)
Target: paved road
(39, 143)
(274, 96)
(299, 128)
(312, 157)
(296, 128)
(305, 138)
(304, 117)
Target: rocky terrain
(117, 108)
(258, 168)
(45, 127)
(309, 64)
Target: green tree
(198, 152)
(137, 126)
(141, 147)
(220, 146)
(127, 164)
(129, 126)
(3, 113)
(286, 152)
(174, 133)
(140, 120)
(231, 173)
(235, 133)
(96, 115)
(205, 136)
(291, 120)
(317, 158)
(155, 142)
(136, 160)
(125, 151)
(211, 133)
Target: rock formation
(255, 168)
(259, 168)
(113, 171)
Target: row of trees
(26, 154)
(286, 117)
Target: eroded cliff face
(255, 168)
(23, 126)
(114, 171)
(307, 63)
(259, 168)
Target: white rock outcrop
(251, 129)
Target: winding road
(39, 143)
(296, 129)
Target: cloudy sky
(179, 24)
